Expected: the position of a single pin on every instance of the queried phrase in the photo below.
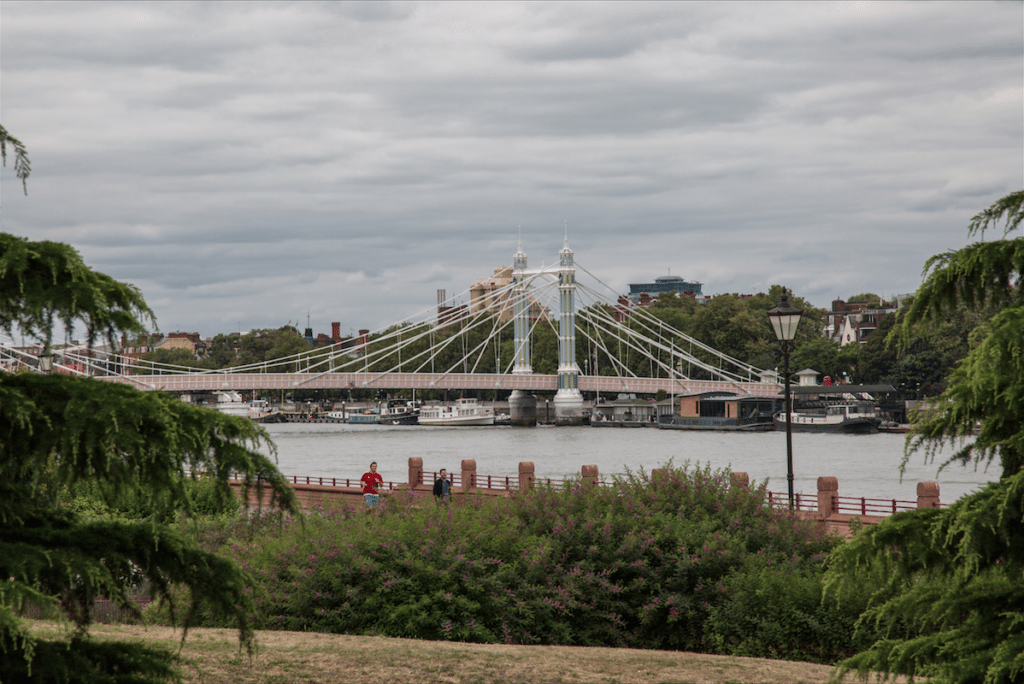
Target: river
(865, 465)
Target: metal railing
(330, 481)
(510, 482)
(864, 506)
(324, 481)
(848, 505)
(801, 502)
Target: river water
(865, 465)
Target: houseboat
(626, 410)
(463, 412)
(718, 411)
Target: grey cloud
(576, 32)
(263, 160)
(377, 11)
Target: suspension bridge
(588, 319)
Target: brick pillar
(525, 476)
(468, 475)
(589, 473)
(415, 470)
(927, 494)
(740, 481)
(828, 487)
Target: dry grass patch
(212, 656)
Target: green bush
(206, 496)
(776, 610)
(685, 562)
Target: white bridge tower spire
(568, 400)
(520, 309)
(522, 407)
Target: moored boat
(260, 409)
(367, 417)
(625, 411)
(850, 417)
(232, 404)
(463, 412)
(718, 411)
(399, 412)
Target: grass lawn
(212, 656)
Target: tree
(729, 325)
(223, 351)
(58, 432)
(821, 355)
(951, 606)
(876, 358)
(672, 300)
(865, 298)
(172, 357)
(22, 165)
(988, 387)
(41, 281)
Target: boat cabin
(722, 405)
(626, 408)
(718, 411)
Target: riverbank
(212, 656)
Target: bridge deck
(211, 381)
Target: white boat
(366, 417)
(850, 417)
(259, 408)
(463, 412)
(232, 404)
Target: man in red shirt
(371, 481)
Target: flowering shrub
(683, 562)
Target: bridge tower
(522, 406)
(568, 400)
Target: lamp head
(785, 318)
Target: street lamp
(46, 362)
(785, 318)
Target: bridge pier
(522, 409)
(568, 408)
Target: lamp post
(46, 357)
(785, 318)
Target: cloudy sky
(244, 163)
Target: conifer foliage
(987, 390)
(58, 430)
(22, 165)
(952, 607)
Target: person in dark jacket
(442, 487)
